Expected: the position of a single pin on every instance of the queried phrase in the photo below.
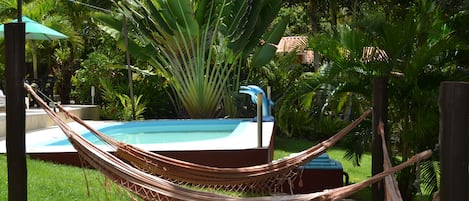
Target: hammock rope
(150, 187)
(391, 190)
(266, 178)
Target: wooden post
(454, 113)
(15, 112)
(259, 120)
(380, 110)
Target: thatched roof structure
(298, 44)
(306, 56)
(374, 54)
(292, 43)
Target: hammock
(391, 190)
(151, 187)
(266, 178)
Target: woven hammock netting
(155, 177)
(261, 179)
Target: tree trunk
(405, 183)
(380, 108)
(313, 13)
(315, 28)
(65, 84)
(333, 12)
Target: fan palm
(198, 45)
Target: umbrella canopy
(36, 31)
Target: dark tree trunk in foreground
(454, 113)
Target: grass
(49, 182)
(285, 146)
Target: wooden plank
(454, 113)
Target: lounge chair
(3, 101)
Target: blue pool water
(165, 131)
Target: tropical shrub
(110, 79)
(418, 54)
(283, 75)
(117, 105)
(94, 68)
(156, 91)
(315, 108)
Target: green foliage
(421, 51)
(425, 62)
(244, 32)
(283, 75)
(417, 46)
(316, 106)
(126, 113)
(118, 106)
(299, 22)
(200, 78)
(430, 178)
(94, 68)
(293, 109)
(265, 53)
(44, 12)
(155, 89)
(100, 66)
(199, 45)
(357, 143)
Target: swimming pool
(166, 131)
(214, 142)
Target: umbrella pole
(33, 51)
(19, 8)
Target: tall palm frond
(197, 45)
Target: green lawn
(284, 146)
(47, 181)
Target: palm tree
(199, 45)
(418, 46)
